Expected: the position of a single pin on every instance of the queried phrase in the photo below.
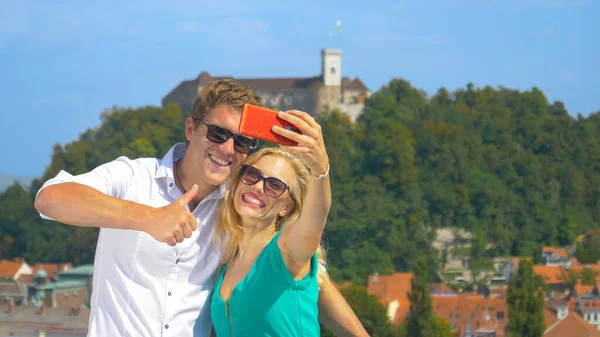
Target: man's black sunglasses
(219, 135)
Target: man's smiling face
(213, 163)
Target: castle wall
(350, 96)
(352, 110)
(328, 98)
(282, 100)
(184, 96)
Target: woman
(270, 228)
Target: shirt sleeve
(112, 178)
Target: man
(155, 259)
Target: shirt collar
(165, 170)
(165, 166)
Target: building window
(500, 315)
(332, 70)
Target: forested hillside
(513, 168)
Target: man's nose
(228, 147)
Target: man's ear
(190, 126)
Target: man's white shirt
(142, 287)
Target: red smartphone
(257, 122)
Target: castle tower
(331, 67)
(329, 95)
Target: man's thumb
(188, 196)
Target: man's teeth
(252, 200)
(219, 161)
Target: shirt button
(171, 185)
(166, 326)
(176, 261)
(169, 293)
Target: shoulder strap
(282, 227)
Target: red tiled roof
(475, 311)
(579, 268)
(439, 288)
(583, 289)
(551, 275)
(573, 326)
(9, 268)
(390, 287)
(560, 252)
(402, 311)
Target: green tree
(590, 251)
(526, 303)
(586, 276)
(371, 313)
(421, 321)
(499, 161)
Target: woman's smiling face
(251, 201)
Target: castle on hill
(311, 94)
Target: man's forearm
(337, 315)
(80, 205)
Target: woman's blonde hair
(229, 233)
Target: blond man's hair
(223, 92)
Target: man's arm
(76, 204)
(337, 315)
(94, 199)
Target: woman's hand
(311, 147)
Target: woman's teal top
(268, 301)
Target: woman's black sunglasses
(219, 135)
(273, 187)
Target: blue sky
(63, 62)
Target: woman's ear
(287, 209)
